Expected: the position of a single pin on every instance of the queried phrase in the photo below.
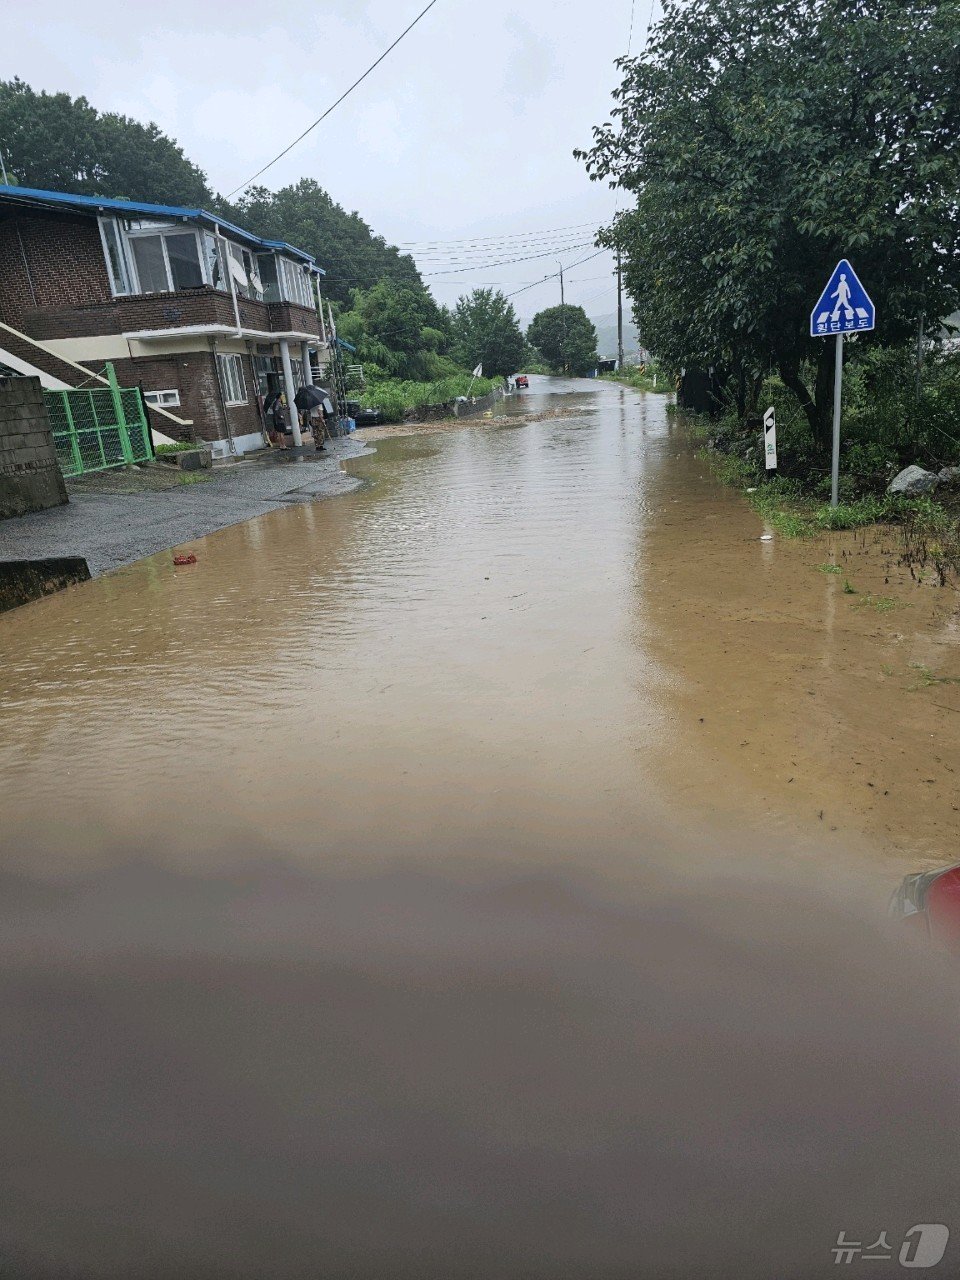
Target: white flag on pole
(478, 371)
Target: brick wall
(30, 478)
(286, 317)
(194, 375)
(54, 284)
(49, 260)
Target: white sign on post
(770, 439)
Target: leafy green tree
(55, 141)
(61, 143)
(565, 338)
(399, 330)
(485, 330)
(762, 141)
(305, 215)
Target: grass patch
(194, 477)
(926, 678)
(647, 377)
(829, 568)
(930, 540)
(790, 524)
(930, 531)
(178, 446)
(882, 604)
(859, 512)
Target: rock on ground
(913, 480)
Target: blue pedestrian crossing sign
(844, 305)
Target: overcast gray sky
(465, 131)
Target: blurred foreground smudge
(277, 1073)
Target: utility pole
(619, 315)
(3, 169)
(563, 322)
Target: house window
(151, 257)
(183, 255)
(265, 372)
(121, 280)
(294, 283)
(268, 273)
(163, 399)
(245, 272)
(150, 264)
(231, 379)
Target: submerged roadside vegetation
(896, 414)
(643, 377)
(752, 162)
(395, 397)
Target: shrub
(394, 396)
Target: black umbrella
(310, 397)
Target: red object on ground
(943, 910)
(929, 902)
(190, 559)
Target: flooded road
(453, 878)
(526, 639)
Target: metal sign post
(837, 393)
(843, 307)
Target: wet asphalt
(113, 529)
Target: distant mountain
(606, 327)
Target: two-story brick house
(204, 315)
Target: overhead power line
(513, 254)
(503, 262)
(512, 246)
(556, 274)
(309, 129)
(514, 235)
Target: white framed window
(163, 399)
(115, 252)
(162, 257)
(230, 368)
(243, 267)
(152, 257)
(294, 283)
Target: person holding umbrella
(314, 404)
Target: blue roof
(172, 212)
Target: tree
(57, 142)
(485, 331)
(344, 245)
(765, 139)
(565, 338)
(399, 330)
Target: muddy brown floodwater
(535, 636)
(455, 877)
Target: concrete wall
(30, 478)
(24, 580)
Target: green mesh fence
(98, 427)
